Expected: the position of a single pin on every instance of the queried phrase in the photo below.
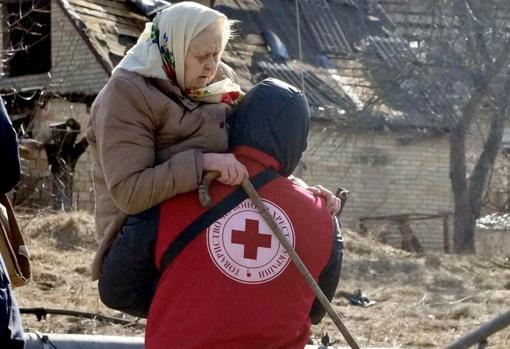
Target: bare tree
(460, 62)
(485, 42)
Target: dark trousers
(129, 277)
(11, 331)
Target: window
(27, 40)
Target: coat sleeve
(126, 126)
(330, 275)
(9, 156)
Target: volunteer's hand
(232, 171)
(333, 203)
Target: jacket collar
(263, 159)
(167, 87)
(170, 89)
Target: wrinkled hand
(333, 203)
(232, 172)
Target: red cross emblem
(251, 238)
(240, 244)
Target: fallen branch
(453, 302)
(421, 300)
(461, 300)
(501, 265)
(41, 313)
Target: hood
(273, 117)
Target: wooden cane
(255, 198)
(203, 188)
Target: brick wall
(384, 176)
(74, 67)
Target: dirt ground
(421, 301)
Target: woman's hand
(333, 203)
(232, 171)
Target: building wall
(492, 243)
(74, 68)
(383, 176)
(36, 165)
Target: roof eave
(75, 21)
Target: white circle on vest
(243, 247)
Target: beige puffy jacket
(147, 143)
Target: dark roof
(151, 7)
(337, 58)
(347, 50)
(324, 27)
(415, 93)
(419, 19)
(110, 27)
(319, 94)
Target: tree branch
(478, 180)
(458, 163)
(477, 32)
(472, 107)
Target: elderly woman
(157, 125)
(160, 121)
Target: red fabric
(197, 305)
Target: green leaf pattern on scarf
(167, 56)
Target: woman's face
(203, 56)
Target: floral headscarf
(161, 51)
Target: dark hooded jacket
(273, 117)
(11, 330)
(9, 158)
(269, 129)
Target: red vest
(234, 286)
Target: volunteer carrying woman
(157, 125)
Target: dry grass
(61, 248)
(424, 301)
(421, 301)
